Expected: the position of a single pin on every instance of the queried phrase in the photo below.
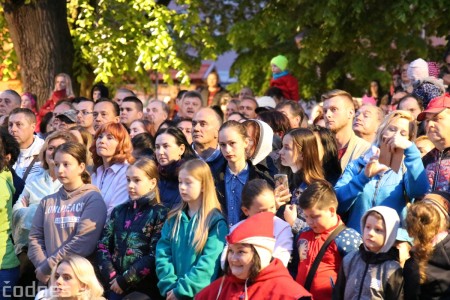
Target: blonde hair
(69, 89)
(85, 273)
(209, 203)
(63, 135)
(423, 223)
(395, 115)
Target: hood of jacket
(264, 146)
(391, 222)
(76, 193)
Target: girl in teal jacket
(193, 237)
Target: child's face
(139, 183)
(264, 202)
(374, 234)
(320, 220)
(240, 257)
(190, 187)
(275, 69)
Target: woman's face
(26, 102)
(60, 83)
(66, 284)
(240, 257)
(232, 145)
(50, 149)
(167, 150)
(397, 126)
(106, 145)
(289, 153)
(374, 87)
(136, 128)
(186, 127)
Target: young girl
(233, 142)
(427, 275)
(111, 154)
(73, 278)
(187, 255)
(126, 250)
(250, 271)
(300, 152)
(366, 183)
(69, 221)
(257, 197)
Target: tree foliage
(125, 40)
(344, 44)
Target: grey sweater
(66, 223)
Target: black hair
(180, 139)
(143, 144)
(219, 111)
(136, 101)
(253, 189)
(44, 122)
(10, 146)
(116, 107)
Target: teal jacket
(178, 266)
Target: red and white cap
(257, 231)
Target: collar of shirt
(213, 155)
(241, 176)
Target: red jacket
(49, 105)
(309, 244)
(288, 84)
(273, 282)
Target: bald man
(205, 138)
(9, 100)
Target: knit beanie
(391, 223)
(428, 89)
(280, 61)
(417, 70)
(257, 230)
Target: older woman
(366, 183)
(111, 154)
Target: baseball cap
(435, 106)
(69, 116)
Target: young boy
(373, 272)
(282, 79)
(319, 205)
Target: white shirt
(112, 183)
(26, 156)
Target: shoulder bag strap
(27, 171)
(320, 255)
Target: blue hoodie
(357, 193)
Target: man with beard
(339, 111)
(156, 112)
(437, 161)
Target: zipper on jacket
(362, 281)
(436, 171)
(377, 185)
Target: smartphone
(281, 179)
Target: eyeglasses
(83, 112)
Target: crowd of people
(224, 197)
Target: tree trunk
(42, 41)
